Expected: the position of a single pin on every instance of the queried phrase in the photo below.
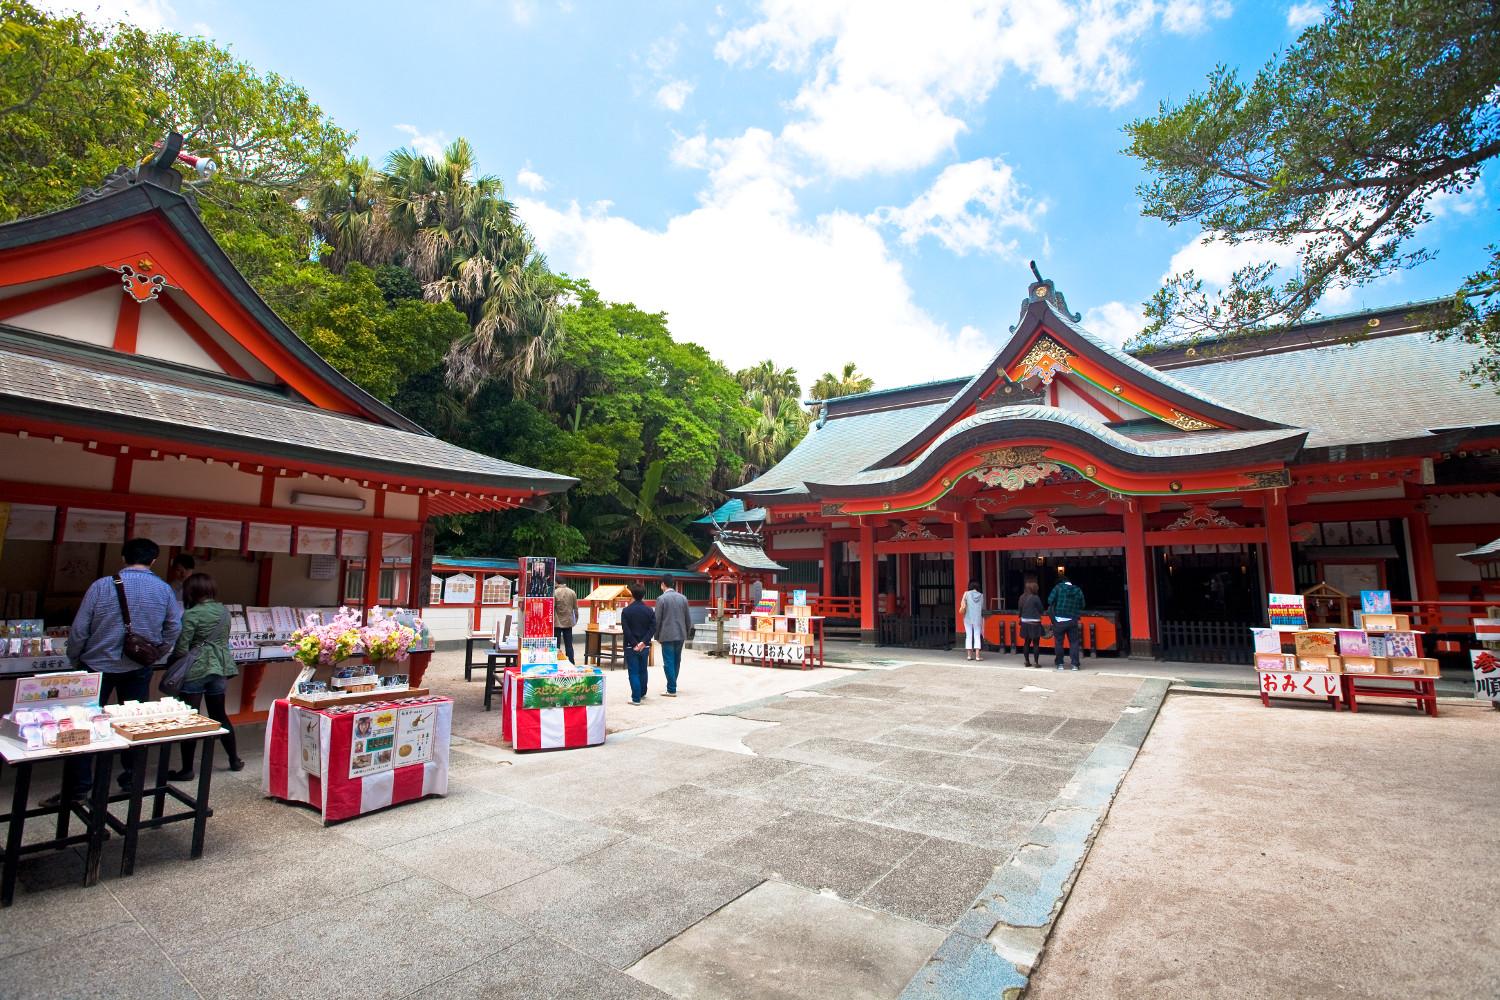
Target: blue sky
(813, 181)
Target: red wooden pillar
(961, 571)
(1279, 544)
(1137, 581)
(827, 563)
(1423, 565)
(867, 595)
(990, 563)
(903, 583)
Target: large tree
(1333, 154)
(776, 396)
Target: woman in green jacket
(205, 623)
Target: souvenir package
(1402, 644)
(57, 711)
(1364, 665)
(1315, 642)
(1267, 640)
(1320, 664)
(1353, 642)
(1275, 661)
(1375, 602)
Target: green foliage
(848, 382)
(780, 422)
(1334, 150)
(1477, 305)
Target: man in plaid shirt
(1065, 604)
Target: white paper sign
(1486, 664)
(310, 737)
(414, 729)
(374, 743)
(776, 652)
(458, 589)
(1300, 685)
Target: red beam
(1211, 536)
(1352, 510)
(1458, 534)
(41, 298)
(1090, 540)
(127, 325)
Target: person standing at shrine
(971, 605)
(564, 617)
(638, 625)
(1065, 604)
(1030, 609)
(674, 623)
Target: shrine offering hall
(1177, 488)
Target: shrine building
(1176, 488)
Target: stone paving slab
(780, 942)
(820, 852)
(935, 883)
(538, 967)
(120, 961)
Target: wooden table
(469, 652)
(492, 683)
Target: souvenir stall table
(546, 702)
(769, 636)
(57, 716)
(1381, 658)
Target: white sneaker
(669, 694)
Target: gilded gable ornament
(913, 531)
(1184, 422)
(1269, 480)
(1017, 477)
(1200, 517)
(1020, 455)
(1042, 523)
(1045, 360)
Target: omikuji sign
(776, 652)
(1286, 684)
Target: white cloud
(746, 277)
(1115, 322)
(530, 179)
(969, 207)
(522, 11)
(885, 88)
(425, 143)
(149, 15)
(1465, 202)
(1303, 15)
(674, 94)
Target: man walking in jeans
(637, 623)
(1065, 604)
(674, 624)
(97, 641)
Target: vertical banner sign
(538, 629)
(1486, 674)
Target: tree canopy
(847, 382)
(1334, 153)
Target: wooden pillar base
(1140, 649)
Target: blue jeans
(635, 665)
(1071, 631)
(671, 662)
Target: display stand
(771, 637)
(551, 728)
(1420, 690)
(347, 762)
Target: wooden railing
(835, 607)
(1449, 625)
(916, 632)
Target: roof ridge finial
(1035, 271)
(1045, 290)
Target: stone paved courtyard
(818, 842)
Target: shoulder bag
(180, 668)
(138, 649)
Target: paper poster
(414, 729)
(374, 742)
(537, 618)
(310, 738)
(1353, 642)
(1486, 666)
(80, 685)
(1375, 602)
(1267, 640)
(1314, 642)
(539, 655)
(539, 573)
(563, 690)
(775, 652)
(799, 598)
(1401, 644)
(1288, 610)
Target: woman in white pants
(972, 608)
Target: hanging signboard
(458, 589)
(1486, 666)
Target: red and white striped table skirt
(549, 728)
(330, 790)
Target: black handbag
(138, 649)
(179, 668)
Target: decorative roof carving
(1043, 289)
(1020, 455)
(1270, 480)
(1017, 477)
(1184, 422)
(157, 170)
(1045, 359)
(1201, 517)
(913, 531)
(1011, 393)
(1042, 523)
(139, 285)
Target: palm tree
(650, 514)
(348, 214)
(768, 385)
(847, 383)
(465, 244)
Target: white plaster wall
(159, 336)
(1070, 397)
(281, 495)
(41, 460)
(1449, 566)
(90, 318)
(402, 506)
(291, 586)
(1463, 510)
(194, 479)
(247, 361)
(796, 540)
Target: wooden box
(1364, 664)
(1385, 623)
(1275, 662)
(1321, 664)
(159, 728)
(1412, 666)
(1316, 642)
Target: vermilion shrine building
(145, 389)
(1177, 489)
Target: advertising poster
(1375, 602)
(539, 576)
(310, 738)
(1486, 666)
(1267, 640)
(374, 742)
(1288, 611)
(538, 655)
(563, 690)
(414, 728)
(537, 618)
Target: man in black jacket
(638, 623)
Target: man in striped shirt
(97, 640)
